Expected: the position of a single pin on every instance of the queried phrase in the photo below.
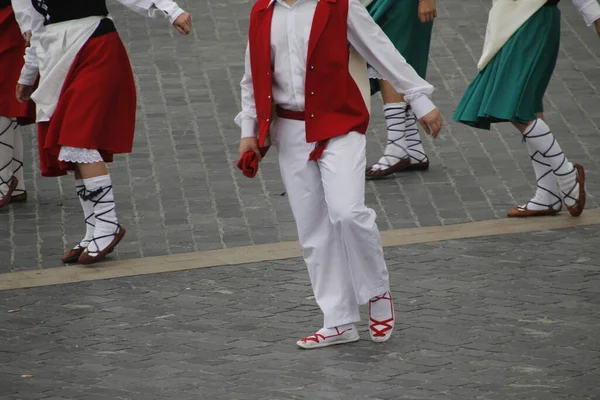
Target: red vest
(334, 105)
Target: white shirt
(290, 31)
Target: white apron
(60, 44)
(505, 18)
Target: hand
(432, 123)
(427, 11)
(597, 25)
(250, 144)
(183, 24)
(27, 37)
(23, 92)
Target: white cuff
(170, 8)
(421, 105)
(590, 12)
(28, 75)
(249, 128)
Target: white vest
(505, 18)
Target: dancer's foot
(381, 316)
(72, 256)
(101, 246)
(6, 191)
(575, 196)
(329, 337)
(19, 198)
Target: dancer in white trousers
(298, 64)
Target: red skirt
(96, 108)
(12, 50)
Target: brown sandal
(11, 188)
(72, 256)
(19, 198)
(524, 212)
(576, 209)
(86, 259)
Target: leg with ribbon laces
(418, 159)
(87, 206)
(395, 156)
(547, 200)
(570, 177)
(8, 181)
(329, 337)
(107, 232)
(20, 194)
(381, 317)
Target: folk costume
(85, 103)
(300, 92)
(399, 20)
(12, 113)
(519, 56)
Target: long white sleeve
(22, 10)
(155, 8)
(34, 22)
(247, 119)
(589, 9)
(374, 46)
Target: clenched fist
(432, 123)
(427, 11)
(183, 24)
(23, 92)
(250, 144)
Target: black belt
(551, 3)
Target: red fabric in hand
(248, 163)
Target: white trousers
(339, 237)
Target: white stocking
(7, 146)
(546, 194)
(396, 149)
(539, 135)
(88, 212)
(413, 139)
(17, 163)
(100, 193)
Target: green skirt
(399, 20)
(512, 86)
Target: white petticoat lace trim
(373, 74)
(78, 155)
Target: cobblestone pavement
(511, 317)
(180, 192)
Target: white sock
(413, 139)
(88, 213)
(7, 144)
(17, 164)
(546, 194)
(336, 330)
(100, 192)
(539, 135)
(395, 150)
(382, 307)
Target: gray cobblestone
(500, 325)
